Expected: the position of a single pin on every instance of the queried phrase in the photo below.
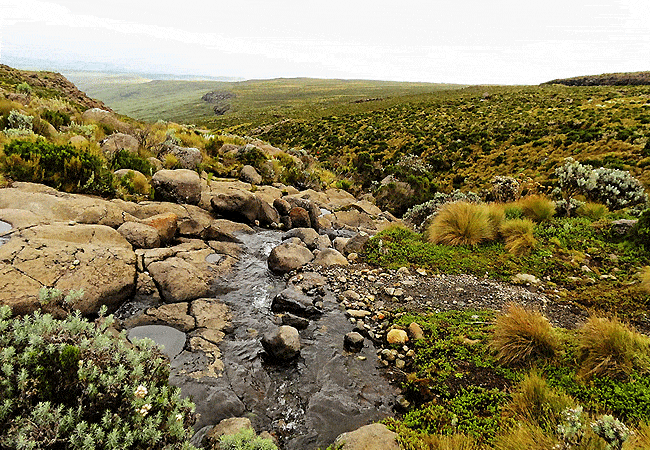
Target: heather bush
(505, 189)
(72, 384)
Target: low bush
(124, 159)
(609, 348)
(461, 223)
(71, 384)
(245, 440)
(523, 337)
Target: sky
(450, 41)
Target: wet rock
(353, 342)
(282, 343)
(248, 174)
(169, 338)
(397, 336)
(370, 437)
(299, 217)
(140, 235)
(307, 235)
(288, 256)
(330, 257)
(299, 323)
(312, 209)
(177, 186)
(294, 301)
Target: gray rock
(169, 338)
(119, 141)
(299, 323)
(287, 257)
(177, 186)
(237, 204)
(340, 243)
(623, 226)
(330, 257)
(188, 157)
(294, 301)
(307, 235)
(140, 235)
(250, 175)
(356, 244)
(282, 343)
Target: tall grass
(538, 208)
(518, 236)
(593, 211)
(522, 336)
(610, 348)
(461, 223)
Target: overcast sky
(458, 41)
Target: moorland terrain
(540, 186)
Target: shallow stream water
(306, 402)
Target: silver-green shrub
(612, 187)
(18, 121)
(71, 384)
(612, 430)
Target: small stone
(400, 363)
(353, 341)
(421, 271)
(397, 336)
(403, 271)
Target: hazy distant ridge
(606, 79)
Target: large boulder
(188, 157)
(288, 256)
(250, 175)
(178, 280)
(140, 235)
(119, 141)
(243, 206)
(307, 235)
(282, 343)
(370, 437)
(177, 186)
(330, 257)
(92, 258)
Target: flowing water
(306, 402)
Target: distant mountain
(606, 79)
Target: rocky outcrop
(177, 186)
(92, 258)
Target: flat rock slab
(94, 258)
(172, 340)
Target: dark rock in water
(312, 210)
(299, 217)
(293, 301)
(170, 338)
(282, 343)
(300, 323)
(353, 342)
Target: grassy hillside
(606, 79)
(256, 102)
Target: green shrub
(60, 166)
(245, 439)
(71, 384)
(24, 88)
(522, 337)
(56, 118)
(124, 159)
(461, 223)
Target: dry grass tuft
(518, 236)
(521, 336)
(593, 211)
(526, 436)
(452, 442)
(538, 208)
(535, 402)
(611, 348)
(461, 223)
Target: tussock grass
(521, 336)
(538, 208)
(461, 223)
(452, 442)
(535, 402)
(610, 348)
(645, 279)
(593, 211)
(518, 236)
(526, 436)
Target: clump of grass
(610, 348)
(535, 402)
(525, 436)
(594, 211)
(522, 336)
(518, 236)
(451, 442)
(538, 208)
(461, 223)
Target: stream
(306, 402)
